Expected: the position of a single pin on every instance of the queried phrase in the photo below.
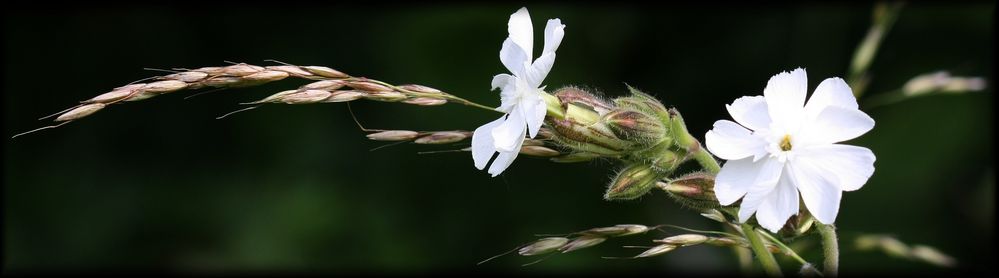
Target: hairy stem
(707, 161)
(830, 249)
(762, 254)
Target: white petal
(738, 176)
(818, 188)
(769, 171)
(504, 159)
(513, 57)
(536, 73)
(731, 141)
(482, 143)
(852, 165)
(785, 95)
(502, 80)
(554, 31)
(508, 135)
(750, 111)
(831, 92)
(779, 205)
(534, 110)
(836, 124)
(521, 31)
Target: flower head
(520, 93)
(782, 146)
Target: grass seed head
(543, 246)
(80, 112)
(393, 135)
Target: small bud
(695, 190)
(617, 230)
(575, 157)
(684, 240)
(326, 72)
(115, 95)
(581, 242)
(569, 95)
(305, 97)
(241, 69)
(164, 86)
(630, 124)
(80, 112)
(443, 137)
(425, 101)
(419, 89)
(368, 86)
(328, 85)
(666, 160)
(291, 70)
(393, 135)
(188, 76)
(543, 246)
(343, 96)
(540, 151)
(632, 182)
(266, 76)
(656, 251)
(387, 96)
(642, 102)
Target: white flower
(785, 146)
(520, 93)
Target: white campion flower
(520, 93)
(782, 146)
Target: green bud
(580, 114)
(635, 126)
(695, 190)
(680, 134)
(632, 182)
(570, 95)
(543, 246)
(581, 242)
(643, 102)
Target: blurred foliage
(160, 184)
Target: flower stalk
(762, 254)
(830, 249)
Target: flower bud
(632, 182)
(442, 137)
(695, 190)
(581, 242)
(325, 72)
(642, 102)
(656, 251)
(540, 151)
(543, 246)
(684, 240)
(635, 126)
(570, 95)
(393, 135)
(80, 112)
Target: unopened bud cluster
(637, 129)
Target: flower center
(785, 143)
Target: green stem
(707, 161)
(830, 249)
(762, 254)
(784, 248)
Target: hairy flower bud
(635, 126)
(571, 95)
(695, 190)
(543, 246)
(393, 135)
(581, 242)
(632, 182)
(642, 102)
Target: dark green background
(160, 184)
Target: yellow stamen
(785, 144)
